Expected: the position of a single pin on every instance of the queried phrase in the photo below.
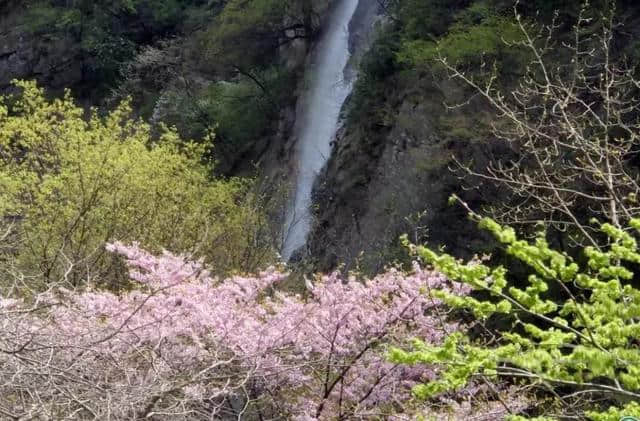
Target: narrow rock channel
(329, 83)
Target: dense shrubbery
(167, 340)
(426, 19)
(247, 34)
(477, 35)
(72, 184)
(253, 27)
(466, 45)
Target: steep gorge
(393, 168)
(329, 80)
(364, 140)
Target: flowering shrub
(185, 345)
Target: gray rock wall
(389, 175)
(24, 55)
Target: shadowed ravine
(318, 119)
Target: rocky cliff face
(26, 55)
(391, 169)
(162, 77)
(389, 175)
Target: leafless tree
(572, 123)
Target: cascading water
(317, 124)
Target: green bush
(75, 183)
(427, 19)
(580, 345)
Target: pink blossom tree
(182, 345)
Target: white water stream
(317, 122)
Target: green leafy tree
(74, 183)
(255, 29)
(581, 345)
(478, 35)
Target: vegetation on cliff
(193, 64)
(409, 119)
(126, 258)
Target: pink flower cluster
(185, 345)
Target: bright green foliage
(585, 337)
(616, 414)
(74, 183)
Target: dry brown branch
(573, 127)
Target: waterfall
(317, 122)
